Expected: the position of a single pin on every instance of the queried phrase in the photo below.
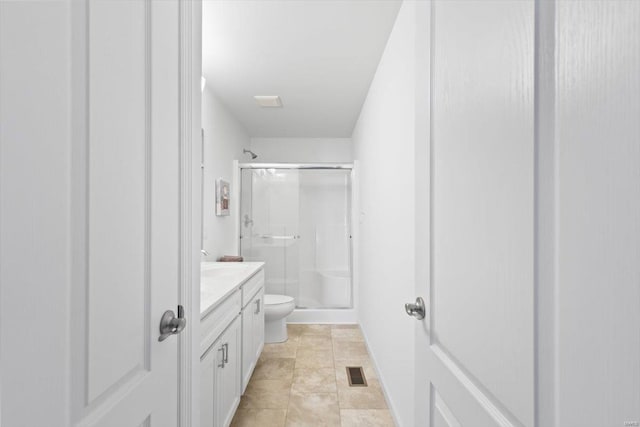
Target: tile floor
(303, 382)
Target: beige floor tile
(303, 382)
(349, 350)
(280, 350)
(316, 330)
(293, 339)
(345, 326)
(351, 334)
(313, 409)
(314, 380)
(309, 357)
(366, 418)
(259, 417)
(369, 397)
(320, 342)
(266, 394)
(294, 329)
(274, 369)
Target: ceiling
(319, 56)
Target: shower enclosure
(297, 219)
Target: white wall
(302, 150)
(384, 145)
(35, 227)
(224, 139)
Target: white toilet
(276, 310)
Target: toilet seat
(277, 299)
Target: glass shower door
(324, 212)
(269, 226)
(298, 222)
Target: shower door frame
(306, 166)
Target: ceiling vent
(271, 101)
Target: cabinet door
(252, 336)
(247, 344)
(258, 326)
(208, 378)
(229, 375)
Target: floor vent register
(356, 376)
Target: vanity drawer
(252, 286)
(217, 321)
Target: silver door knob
(416, 309)
(170, 324)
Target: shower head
(253, 155)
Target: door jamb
(190, 35)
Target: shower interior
(297, 219)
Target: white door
(475, 348)
(590, 308)
(126, 213)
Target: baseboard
(374, 362)
(326, 316)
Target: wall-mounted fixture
(270, 101)
(253, 155)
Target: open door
(126, 199)
(475, 347)
(531, 290)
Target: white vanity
(231, 335)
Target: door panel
(258, 326)
(118, 237)
(252, 336)
(229, 381)
(247, 344)
(208, 377)
(442, 415)
(481, 298)
(127, 199)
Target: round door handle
(416, 309)
(170, 324)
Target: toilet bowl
(276, 310)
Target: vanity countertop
(220, 279)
